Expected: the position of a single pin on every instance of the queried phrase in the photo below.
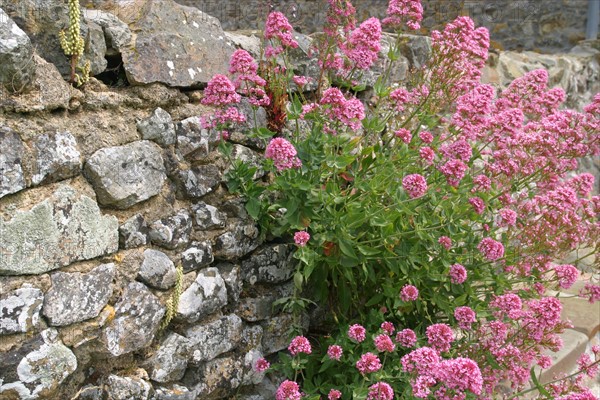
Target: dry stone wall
(106, 190)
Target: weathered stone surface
(251, 376)
(126, 175)
(57, 157)
(47, 92)
(157, 270)
(194, 142)
(16, 53)
(233, 280)
(133, 232)
(173, 392)
(158, 127)
(248, 157)
(566, 358)
(207, 216)
(251, 338)
(417, 49)
(270, 264)
(210, 340)
(584, 316)
(169, 362)
(199, 180)
(63, 228)
(37, 368)
(239, 241)
(198, 255)
(206, 295)
(20, 310)
(117, 34)
(76, 297)
(176, 45)
(276, 332)
(11, 155)
(43, 20)
(173, 231)
(256, 308)
(217, 378)
(137, 317)
(126, 388)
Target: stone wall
(114, 213)
(546, 26)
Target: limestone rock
(248, 157)
(251, 376)
(158, 127)
(276, 332)
(199, 180)
(37, 368)
(157, 270)
(206, 295)
(126, 388)
(198, 255)
(207, 216)
(173, 231)
(194, 142)
(137, 318)
(217, 378)
(11, 155)
(16, 53)
(126, 175)
(63, 228)
(20, 310)
(117, 34)
(213, 339)
(173, 392)
(57, 157)
(169, 362)
(233, 280)
(176, 45)
(47, 92)
(75, 297)
(256, 308)
(133, 232)
(239, 241)
(270, 264)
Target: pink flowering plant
(445, 202)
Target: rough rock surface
(173, 392)
(213, 339)
(117, 34)
(127, 388)
(20, 310)
(206, 295)
(37, 368)
(270, 264)
(275, 332)
(137, 317)
(217, 378)
(57, 157)
(126, 175)
(157, 270)
(63, 228)
(133, 232)
(170, 360)
(11, 155)
(16, 53)
(171, 232)
(207, 216)
(239, 241)
(176, 45)
(198, 255)
(76, 297)
(194, 142)
(232, 276)
(199, 180)
(158, 127)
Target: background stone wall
(106, 189)
(540, 25)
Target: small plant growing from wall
(73, 45)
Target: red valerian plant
(442, 205)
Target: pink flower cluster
(283, 154)
(247, 81)
(491, 249)
(440, 336)
(591, 291)
(415, 185)
(368, 363)
(380, 391)
(458, 274)
(334, 394)
(446, 242)
(357, 333)
(384, 343)
(348, 112)
(288, 390)
(406, 338)
(261, 365)
(278, 27)
(566, 275)
(334, 352)
(298, 345)
(409, 293)
(400, 12)
(220, 92)
(363, 45)
(477, 204)
(301, 238)
(465, 317)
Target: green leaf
(347, 249)
(538, 385)
(253, 207)
(298, 279)
(368, 251)
(360, 393)
(375, 300)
